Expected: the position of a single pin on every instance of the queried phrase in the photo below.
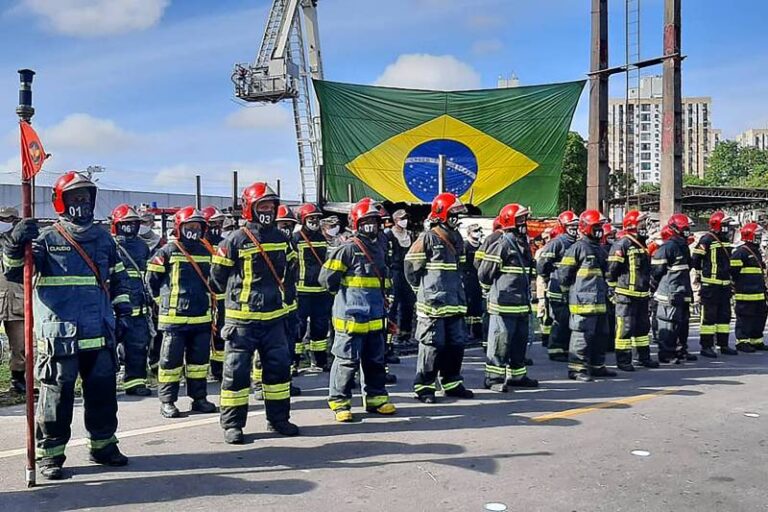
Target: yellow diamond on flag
(404, 167)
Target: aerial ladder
(288, 57)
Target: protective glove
(25, 231)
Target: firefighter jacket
(399, 245)
(670, 272)
(712, 258)
(359, 286)
(548, 264)
(507, 270)
(312, 251)
(629, 269)
(469, 272)
(432, 270)
(240, 269)
(212, 248)
(73, 312)
(135, 251)
(748, 273)
(11, 294)
(486, 243)
(582, 272)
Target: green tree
(573, 179)
(648, 187)
(620, 183)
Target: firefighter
(479, 255)
(286, 223)
(12, 309)
(546, 267)
(154, 241)
(356, 273)
(582, 272)
(609, 237)
(256, 266)
(81, 285)
(748, 273)
(135, 335)
(542, 305)
(178, 279)
(474, 318)
(671, 281)
(711, 258)
(213, 236)
(506, 272)
(332, 230)
(314, 300)
(629, 268)
(403, 298)
(432, 267)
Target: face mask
(642, 231)
(144, 229)
(127, 229)
(522, 229)
(370, 230)
(333, 231)
(265, 218)
(572, 230)
(476, 235)
(597, 233)
(191, 234)
(214, 231)
(5, 227)
(453, 221)
(313, 225)
(686, 232)
(403, 223)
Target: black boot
(649, 363)
(580, 377)
(202, 405)
(560, 358)
(460, 392)
(528, 361)
(390, 357)
(761, 347)
(603, 372)
(295, 390)
(625, 367)
(523, 382)
(745, 347)
(390, 378)
(109, 456)
(169, 410)
(141, 390)
(216, 370)
(728, 351)
(283, 427)
(708, 352)
(426, 398)
(234, 436)
(18, 383)
(51, 468)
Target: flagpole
(25, 111)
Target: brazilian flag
(501, 145)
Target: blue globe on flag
(421, 167)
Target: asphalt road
(564, 447)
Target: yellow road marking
(568, 413)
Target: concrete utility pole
(672, 106)
(597, 166)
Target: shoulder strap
(722, 246)
(374, 267)
(267, 260)
(87, 259)
(635, 241)
(759, 260)
(509, 238)
(445, 239)
(311, 247)
(209, 246)
(195, 266)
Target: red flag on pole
(32, 153)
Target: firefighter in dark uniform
(506, 271)
(154, 241)
(629, 267)
(178, 278)
(557, 297)
(81, 285)
(711, 256)
(314, 300)
(214, 234)
(582, 271)
(286, 223)
(432, 268)
(671, 282)
(403, 298)
(748, 273)
(356, 273)
(12, 307)
(474, 318)
(139, 327)
(256, 266)
(479, 255)
(609, 237)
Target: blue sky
(142, 86)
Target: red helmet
(679, 224)
(444, 204)
(213, 214)
(567, 218)
(509, 215)
(123, 213)
(363, 209)
(751, 231)
(284, 213)
(718, 220)
(308, 210)
(632, 219)
(557, 230)
(496, 224)
(609, 232)
(667, 232)
(589, 221)
(252, 194)
(67, 182)
(383, 211)
(187, 214)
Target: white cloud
(423, 71)
(265, 117)
(487, 47)
(95, 18)
(82, 132)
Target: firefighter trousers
(560, 334)
(403, 303)
(545, 321)
(185, 351)
(353, 351)
(135, 339)
(14, 330)
(715, 315)
(97, 369)
(673, 321)
(507, 343)
(270, 340)
(589, 336)
(315, 317)
(750, 321)
(441, 352)
(632, 330)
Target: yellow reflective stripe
(433, 265)
(497, 308)
(134, 383)
(750, 296)
(632, 293)
(361, 282)
(568, 261)
(12, 262)
(513, 270)
(353, 327)
(189, 320)
(221, 296)
(277, 391)
(176, 258)
(495, 370)
(463, 258)
(309, 289)
(657, 261)
(121, 299)
(292, 307)
(586, 309)
(175, 274)
(268, 247)
(217, 355)
(712, 280)
(632, 272)
(336, 265)
(239, 314)
(66, 281)
(154, 267)
(490, 257)
(196, 371)
(221, 260)
(616, 259)
(133, 272)
(589, 272)
(722, 328)
(427, 310)
(91, 343)
(751, 270)
(245, 293)
(336, 404)
(679, 268)
(169, 375)
(318, 345)
(231, 398)
(696, 250)
(447, 386)
(100, 444)
(415, 256)
(737, 262)
(376, 400)
(119, 267)
(314, 244)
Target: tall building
(634, 136)
(755, 138)
(507, 82)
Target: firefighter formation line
(235, 304)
